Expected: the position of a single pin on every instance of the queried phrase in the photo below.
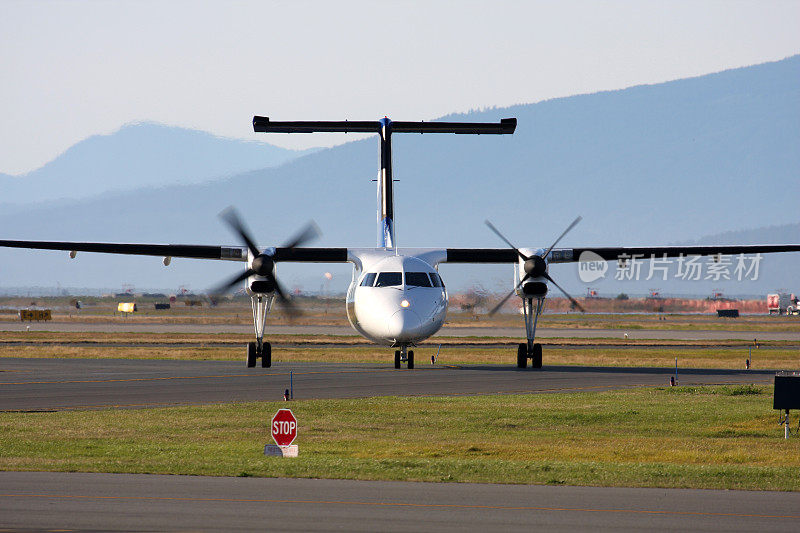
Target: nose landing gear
(404, 355)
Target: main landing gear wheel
(266, 355)
(536, 356)
(410, 359)
(522, 355)
(251, 354)
(397, 359)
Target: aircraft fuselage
(396, 299)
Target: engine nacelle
(263, 279)
(261, 286)
(534, 289)
(535, 286)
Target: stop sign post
(284, 430)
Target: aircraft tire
(537, 356)
(397, 358)
(266, 355)
(410, 359)
(251, 354)
(522, 355)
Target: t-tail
(385, 128)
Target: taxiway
(124, 502)
(54, 384)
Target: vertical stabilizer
(385, 188)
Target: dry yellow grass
(332, 312)
(688, 357)
(71, 337)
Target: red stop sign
(284, 427)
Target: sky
(75, 69)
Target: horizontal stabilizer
(264, 124)
(505, 126)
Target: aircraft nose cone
(403, 325)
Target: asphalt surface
(54, 384)
(120, 502)
(478, 331)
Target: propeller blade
(224, 287)
(289, 306)
(574, 223)
(497, 307)
(309, 233)
(497, 232)
(230, 216)
(571, 299)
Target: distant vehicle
(782, 303)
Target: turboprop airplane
(396, 296)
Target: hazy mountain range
(655, 164)
(140, 155)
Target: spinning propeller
(535, 266)
(263, 264)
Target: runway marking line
(401, 504)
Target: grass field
(709, 437)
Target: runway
(123, 502)
(55, 384)
(447, 331)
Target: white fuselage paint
(400, 314)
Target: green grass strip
(708, 437)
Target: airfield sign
(284, 427)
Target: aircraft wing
(571, 255)
(340, 255)
(481, 255)
(192, 251)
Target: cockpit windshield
(395, 279)
(417, 279)
(389, 279)
(369, 279)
